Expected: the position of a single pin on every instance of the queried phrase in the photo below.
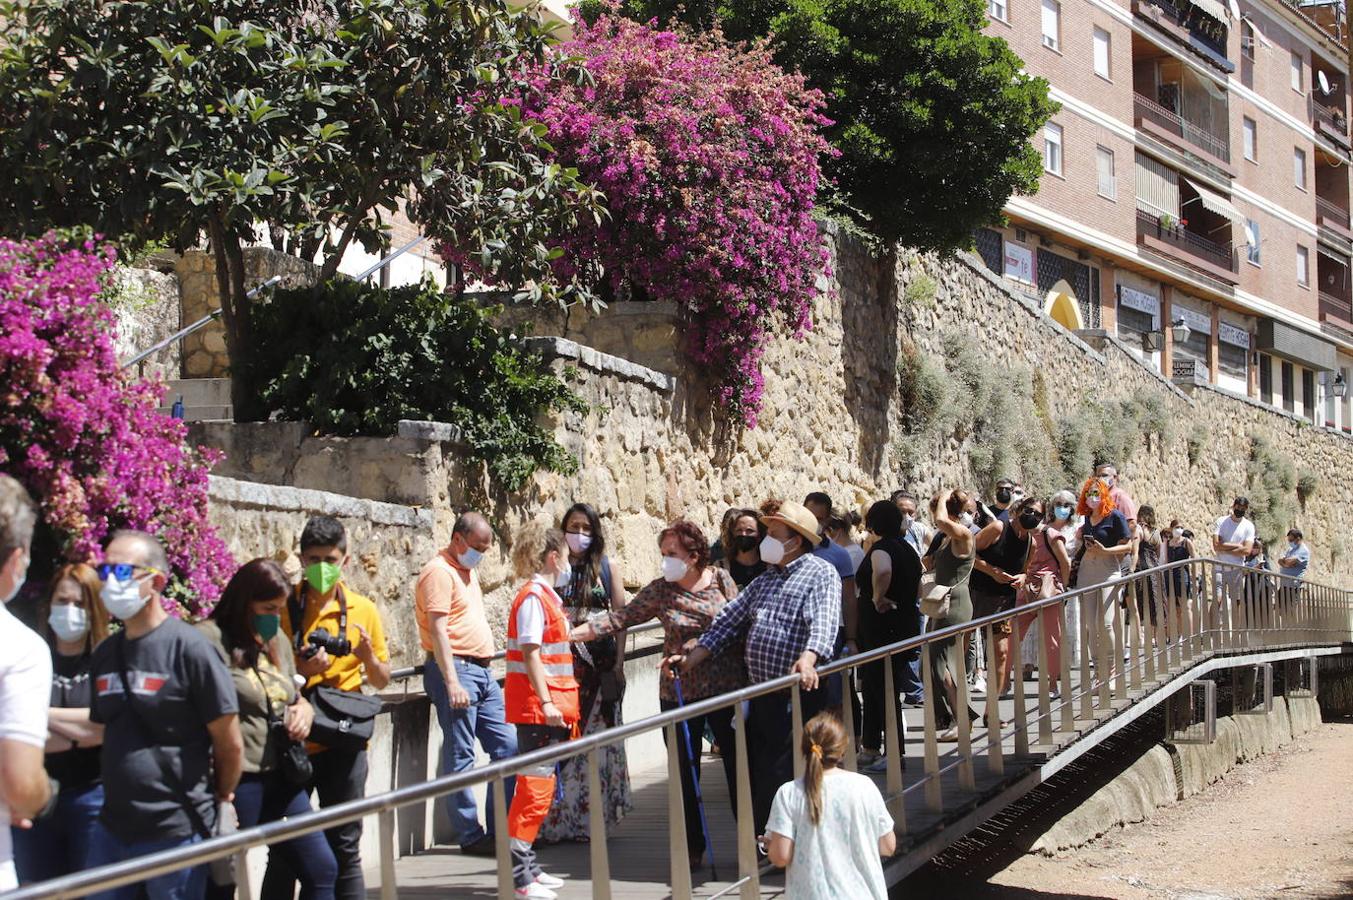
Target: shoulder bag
(344, 720)
(292, 760)
(934, 597)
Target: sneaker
(1055, 694)
(867, 758)
(535, 891)
(979, 685)
(485, 846)
(878, 766)
(549, 881)
(948, 736)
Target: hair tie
(816, 750)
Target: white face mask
(563, 578)
(908, 522)
(123, 598)
(69, 622)
(578, 543)
(470, 558)
(772, 551)
(19, 578)
(674, 569)
(1178, 533)
(1092, 500)
(965, 520)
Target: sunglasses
(123, 571)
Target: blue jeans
(61, 844)
(267, 798)
(486, 719)
(185, 884)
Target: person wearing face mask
(540, 692)
(1045, 576)
(914, 531)
(686, 599)
(172, 748)
(744, 534)
(595, 585)
(1065, 522)
(789, 618)
(338, 640)
(245, 627)
(76, 623)
(1292, 563)
(455, 635)
(1003, 551)
(1108, 473)
(1106, 538)
(951, 562)
(25, 684)
(1178, 548)
(1005, 498)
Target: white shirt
(1232, 532)
(531, 614)
(839, 856)
(25, 690)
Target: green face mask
(266, 626)
(322, 576)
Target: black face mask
(1003, 495)
(1239, 513)
(1030, 520)
(745, 542)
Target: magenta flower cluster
(708, 157)
(86, 440)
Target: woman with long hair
(76, 623)
(595, 586)
(742, 542)
(831, 828)
(1045, 576)
(274, 717)
(951, 562)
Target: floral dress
(569, 818)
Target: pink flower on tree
(86, 440)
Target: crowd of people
(156, 733)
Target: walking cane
(695, 777)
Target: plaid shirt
(783, 612)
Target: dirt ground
(1281, 826)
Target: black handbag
(293, 761)
(344, 720)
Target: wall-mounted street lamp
(1179, 331)
(1340, 387)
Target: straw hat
(797, 517)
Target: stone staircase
(204, 399)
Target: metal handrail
(152, 865)
(216, 313)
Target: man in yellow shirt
(449, 606)
(339, 641)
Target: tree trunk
(236, 315)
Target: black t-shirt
(157, 755)
(743, 574)
(1007, 553)
(905, 583)
(78, 767)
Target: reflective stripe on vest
(552, 670)
(552, 649)
(556, 656)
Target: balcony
(1336, 311)
(1331, 124)
(1187, 23)
(1171, 239)
(1331, 216)
(1165, 125)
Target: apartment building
(1195, 195)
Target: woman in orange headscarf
(1105, 539)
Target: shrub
(707, 155)
(1271, 479)
(1307, 484)
(353, 358)
(921, 291)
(1196, 441)
(85, 439)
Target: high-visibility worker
(540, 692)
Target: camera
(321, 639)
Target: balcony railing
(1150, 111)
(1338, 307)
(1327, 115)
(1195, 245)
(1330, 213)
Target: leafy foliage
(309, 119)
(708, 158)
(85, 439)
(1271, 480)
(353, 358)
(933, 116)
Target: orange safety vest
(523, 706)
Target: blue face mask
(470, 558)
(1061, 512)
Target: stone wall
(650, 448)
(147, 312)
(204, 351)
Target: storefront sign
(1019, 262)
(1195, 320)
(1142, 302)
(1237, 337)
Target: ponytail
(823, 747)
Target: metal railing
(1137, 634)
(1326, 209)
(1180, 127)
(1333, 118)
(1339, 307)
(1189, 242)
(252, 292)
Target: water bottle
(177, 410)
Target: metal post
(1133, 622)
(389, 885)
(796, 733)
(995, 752)
(1021, 721)
(933, 799)
(500, 839)
(676, 819)
(1119, 657)
(747, 865)
(1064, 650)
(965, 773)
(892, 746)
(1044, 682)
(848, 717)
(1087, 635)
(601, 863)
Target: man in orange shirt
(454, 631)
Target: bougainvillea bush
(707, 154)
(85, 439)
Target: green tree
(307, 121)
(933, 117)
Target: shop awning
(1216, 203)
(1214, 9)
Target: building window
(1299, 167)
(1265, 378)
(1247, 40)
(996, 9)
(1252, 241)
(1052, 148)
(1296, 71)
(1308, 393)
(1233, 360)
(1303, 266)
(1250, 139)
(1289, 388)
(1102, 44)
(1052, 24)
(1108, 186)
